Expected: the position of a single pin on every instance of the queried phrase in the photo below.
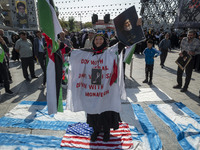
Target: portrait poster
(21, 13)
(188, 14)
(182, 62)
(126, 27)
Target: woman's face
(98, 41)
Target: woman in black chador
(108, 119)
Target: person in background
(40, 53)
(7, 56)
(75, 40)
(197, 60)
(164, 46)
(191, 45)
(7, 43)
(15, 55)
(3, 67)
(109, 33)
(65, 40)
(106, 35)
(113, 40)
(88, 42)
(150, 53)
(24, 47)
(4, 37)
(67, 34)
(82, 40)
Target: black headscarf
(103, 46)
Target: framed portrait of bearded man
(21, 14)
(128, 32)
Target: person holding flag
(96, 85)
(95, 77)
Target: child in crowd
(150, 53)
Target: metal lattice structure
(159, 14)
(1, 16)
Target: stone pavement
(163, 79)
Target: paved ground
(163, 79)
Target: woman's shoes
(106, 136)
(94, 136)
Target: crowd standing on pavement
(30, 47)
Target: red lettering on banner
(84, 61)
(81, 85)
(95, 87)
(87, 94)
(104, 68)
(101, 61)
(94, 62)
(82, 75)
(108, 75)
(90, 76)
(96, 94)
(91, 86)
(97, 67)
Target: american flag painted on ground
(78, 136)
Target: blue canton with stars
(79, 129)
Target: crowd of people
(29, 48)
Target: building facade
(20, 14)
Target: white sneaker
(41, 87)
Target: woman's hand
(139, 22)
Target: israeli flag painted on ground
(30, 142)
(34, 115)
(143, 133)
(146, 95)
(183, 122)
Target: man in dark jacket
(39, 51)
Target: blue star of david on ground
(185, 132)
(43, 112)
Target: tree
(63, 23)
(88, 25)
(71, 24)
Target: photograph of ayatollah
(127, 28)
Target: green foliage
(71, 24)
(63, 23)
(88, 25)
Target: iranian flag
(50, 25)
(2, 54)
(129, 53)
